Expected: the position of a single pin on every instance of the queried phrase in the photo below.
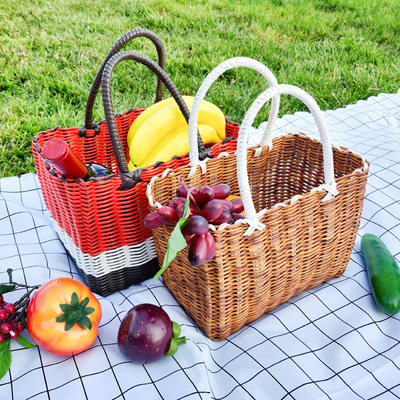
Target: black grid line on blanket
(327, 343)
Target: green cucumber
(383, 273)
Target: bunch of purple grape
(10, 323)
(207, 205)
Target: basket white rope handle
(241, 155)
(208, 81)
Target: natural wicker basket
(99, 221)
(299, 229)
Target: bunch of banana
(161, 131)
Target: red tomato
(63, 317)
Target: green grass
(340, 51)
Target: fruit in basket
(152, 221)
(146, 334)
(211, 246)
(221, 191)
(205, 205)
(210, 202)
(224, 218)
(161, 131)
(237, 205)
(197, 225)
(174, 143)
(146, 114)
(63, 317)
(198, 251)
(212, 210)
(205, 195)
(167, 215)
(383, 273)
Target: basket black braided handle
(131, 178)
(117, 46)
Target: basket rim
(95, 132)
(240, 224)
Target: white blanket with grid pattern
(327, 343)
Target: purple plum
(146, 334)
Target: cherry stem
(24, 300)
(24, 286)
(189, 193)
(21, 285)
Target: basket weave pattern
(93, 218)
(305, 242)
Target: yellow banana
(162, 125)
(176, 144)
(145, 115)
(131, 167)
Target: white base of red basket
(105, 271)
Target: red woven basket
(99, 221)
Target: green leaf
(61, 318)
(174, 345)
(66, 307)
(87, 322)
(81, 324)
(173, 348)
(76, 313)
(176, 329)
(25, 342)
(69, 324)
(88, 310)
(85, 302)
(6, 288)
(5, 357)
(176, 241)
(186, 213)
(74, 300)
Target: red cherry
(1, 298)
(3, 315)
(20, 326)
(14, 334)
(2, 338)
(9, 307)
(5, 327)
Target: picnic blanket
(331, 342)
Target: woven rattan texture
(303, 244)
(94, 214)
(96, 209)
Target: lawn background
(339, 51)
